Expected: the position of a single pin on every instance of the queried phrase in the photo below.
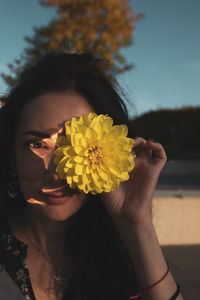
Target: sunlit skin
(42, 149)
(41, 122)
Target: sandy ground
(184, 262)
(176, 216)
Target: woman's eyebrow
(37, 133)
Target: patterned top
(12, 258)
(13, 254)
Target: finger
(139, 144)
(141, 149)
(160, 156)
(139, 140)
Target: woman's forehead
(50, 111)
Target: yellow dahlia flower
(95, 155)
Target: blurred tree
(178, 130)
(100, 26)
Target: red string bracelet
(145, 290)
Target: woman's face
(42, 120)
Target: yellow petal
(69, 163)
(76, 139)
(69, 151)
(76, 178)
(109, 146)
(68, 127)
(102, 173)
(78, 127)
(91, 116)
(98, 128)
(61, 141)
(84, 120)
(108, 122)
(95, 176)
(82, 187)
(79, 169)
(124, 176)
(91, 134)
(69, 171)
(114, 169)
(69, 179)
(59, 151)
(84, 142)
(78, 159)
(86, 161)
(78, 150)
(124, 130)
(104, 137)
(88, 168)
(124, 154)
(125, 164)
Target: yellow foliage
(102, 26)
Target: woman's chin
(58, 209)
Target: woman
(57, 242)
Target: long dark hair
(102, 266)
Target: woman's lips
(55, 198)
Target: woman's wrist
(130, 229)
(147, 258)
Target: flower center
(95, 155)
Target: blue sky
(166, 50)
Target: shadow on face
(41, 122)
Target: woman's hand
(130, 209)
(131, 202)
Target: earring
(13, 186)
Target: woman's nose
(50, 169)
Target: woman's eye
(37, 145)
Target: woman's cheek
(30, 176)
(30, 168)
